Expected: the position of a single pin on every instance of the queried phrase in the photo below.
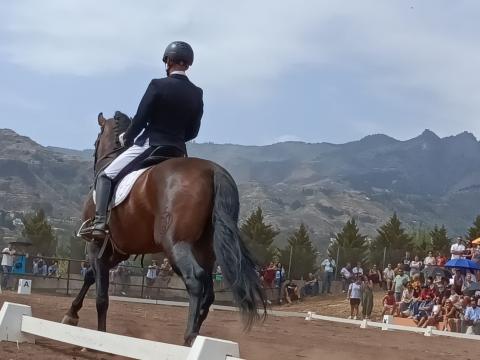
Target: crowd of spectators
(422, 290)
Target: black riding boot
(103, 189)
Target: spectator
(472, 316)
(375, 276)
(53, 269)
(476, 253)
(436, 315)
(389, 303)
(328, 267)
(457, 250)
(7, 264)
(398, 268)
(269, 275)
(357, 270)
(406, 262)
(424, 311)
(151, 277)
(450, 313)
(311, 287)
(407, 299)
(415, 266)
(367, 298)
(458, 280)
(124, 276)
(292, 292)
(219, 276)
(165, 273)
(441, 260)
(467, 282)
(430, 260)
(389, 275)
(398, 284)
(83, 268)
(347, 275)
(279, 280)
(354, 295)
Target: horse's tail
(235, 260)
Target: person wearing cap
(169, 115)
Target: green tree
(421, 242)
(474, 231)
(392, 239)
(40, 233)
(304, 254)
(259, 236)
(350, 245)
(440, 240)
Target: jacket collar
(178, 76)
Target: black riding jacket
(170, 112)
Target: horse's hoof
(190, 340)
(70, 320)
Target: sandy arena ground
(278, 338)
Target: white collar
(178, 72)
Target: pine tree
(259, 236)
(474, 231)
(303, 254)
(350, 245)
(421, 242)
(440, 240)
(392, 238)
(40, 233)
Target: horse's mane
(122, 122)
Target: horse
(186, 208)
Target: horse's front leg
(71, 317)
(102, 280)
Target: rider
(169, 113)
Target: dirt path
(278, 338)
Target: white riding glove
(121, 139)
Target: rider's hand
(121, 139)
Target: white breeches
(124, 159)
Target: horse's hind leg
(71, 317)
(194, 277)
(207, 299)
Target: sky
(271, 71)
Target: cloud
(422, 61)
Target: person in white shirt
(457, 250)
(430, 260)
(357, 270)
(152, 273)
(389, 275)
(354, 296)
(7, 263)
(328, 269)
(347, 275)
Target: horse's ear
(101, 120)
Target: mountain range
(427, 180)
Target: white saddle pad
(124, 187)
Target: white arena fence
(387, 325)
(18, 325)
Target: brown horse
(185, 207)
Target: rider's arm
(143, 113)
(192, 131)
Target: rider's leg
(104, 185)
(103, 192)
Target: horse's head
(107, 146)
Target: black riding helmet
(179, 52)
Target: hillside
(427, 180)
